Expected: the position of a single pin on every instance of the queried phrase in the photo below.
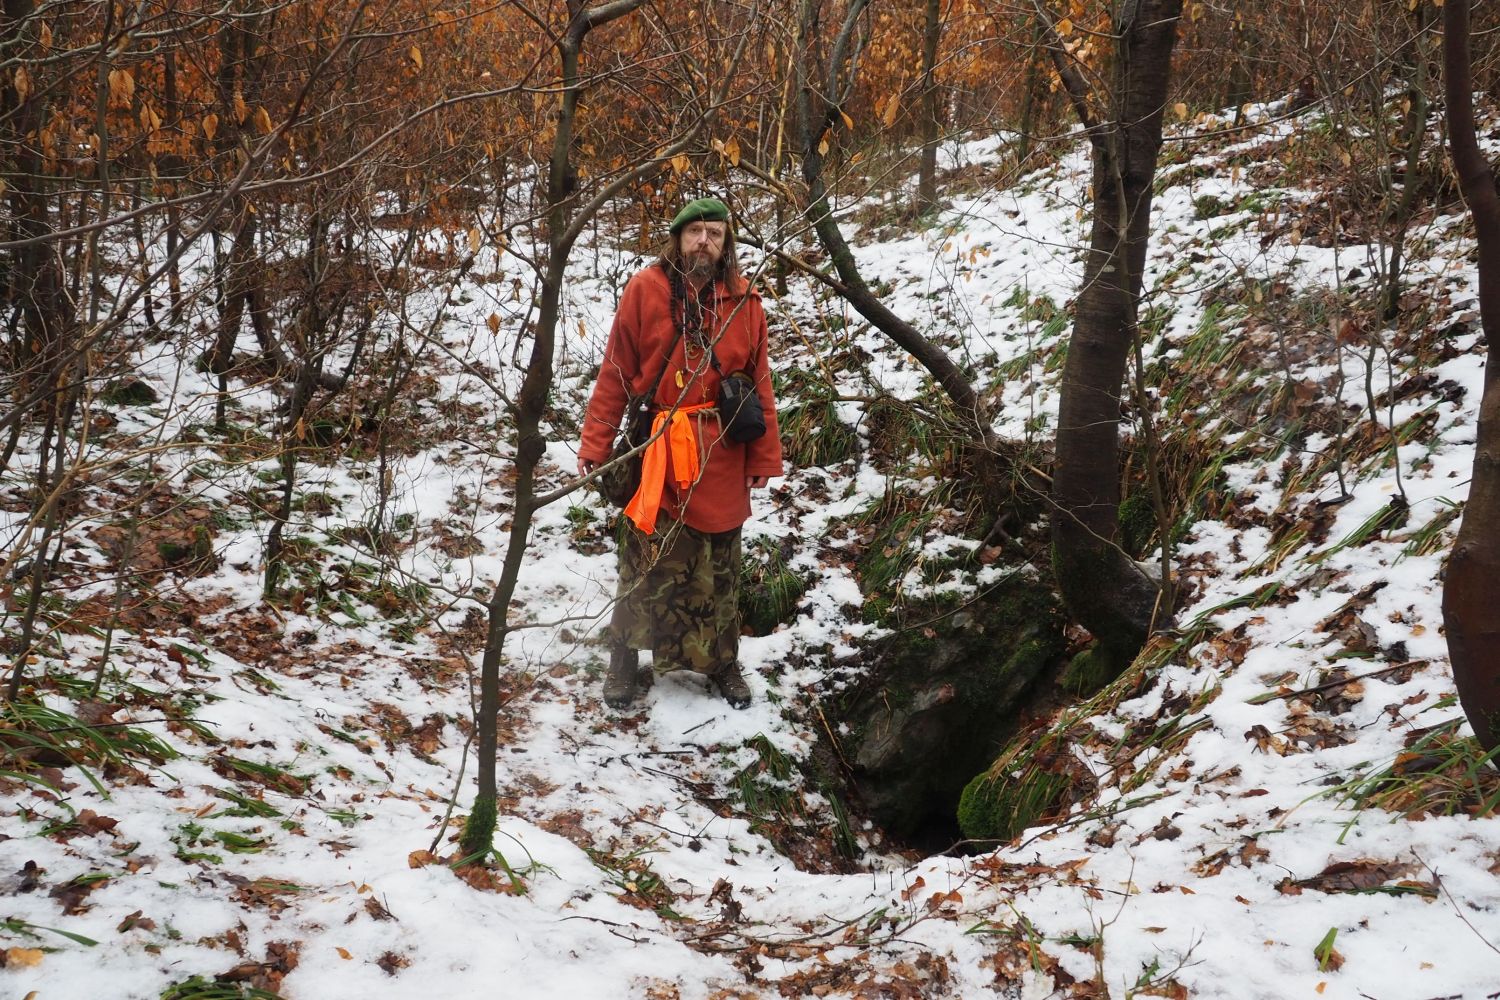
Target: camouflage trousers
(679, 596)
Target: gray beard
(699, 265)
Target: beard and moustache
(699, 264)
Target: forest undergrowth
(224, 789)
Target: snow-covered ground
(1236, 864)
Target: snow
(1195, 881)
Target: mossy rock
(129, 392)
(998, 806)
(192, 554)
(1090, 670)
(939, 701)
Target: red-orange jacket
(637, 345)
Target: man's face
(703, 247)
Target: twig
(1261, 699)
(1438, 881)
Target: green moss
(997, 806)
(1089, 671)
(194, 555)
(1137, 523)
(479, 828)
(876, 610)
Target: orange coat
(638, 341)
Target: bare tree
(824, 83)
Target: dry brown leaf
(1355, 876)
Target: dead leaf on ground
(376, 909)
(135, 920)
(281, 958)
(1361, 875)
(92, 823)
(73, 895)
(269, 893)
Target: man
(690, 320)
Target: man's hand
(757, 482)
(585, 466)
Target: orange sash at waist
(681, 441)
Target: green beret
(702, 210)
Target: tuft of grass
(893, 532)
(198, 988)
(639, 884)
(15, 925)
(282, 779)
(245, 805)
(1432, 536)
(770, 792)
(189, 836)
(815, 436)
(239, 843)
(769, 589)
(1388, 518)
(33, 733)
(914, 436)
(1439, 773)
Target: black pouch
(620, 482)
(740, 413)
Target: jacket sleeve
(763, 455)
(617, 374)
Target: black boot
(623, 681)
(731, 684)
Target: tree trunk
(35, 285)
(931, 110)
(1472, 586)
(174, 212)
(1029, 94)
(1104, 589)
